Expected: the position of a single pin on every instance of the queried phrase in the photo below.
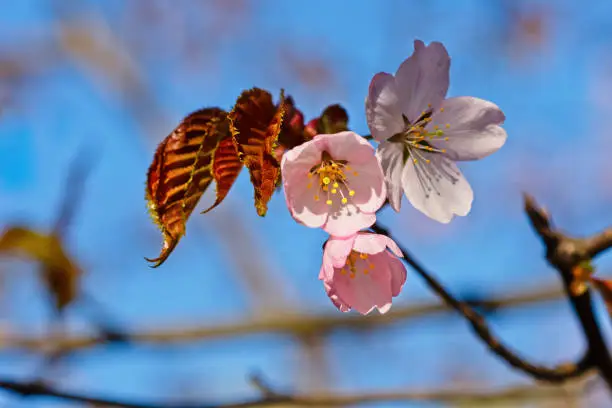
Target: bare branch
(565, 253)
(285, 324)
(561, 373)
(512, 394)
(598, 243)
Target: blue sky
(553, 93)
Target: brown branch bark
(285, 324)
(557, 374)
(565, 253)
(269, 398)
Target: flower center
(415, 137)
(355, 263)
(416, 141)
(330, 177)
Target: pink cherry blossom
(334, 181)
(362, 272)
(422, 135)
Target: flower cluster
(337, 181)
(333, 178)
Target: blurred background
(89, 88)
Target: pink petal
(333, 296)
(371, 244)
(347, 146)
(301, 158)
(346, 220)
(437, 189)
(365, 292)
(398, 274)
(368, 184)
(423, 79)
(391, 160)
(383, 112)
(295, 165)
(338, 249)
(474, 130)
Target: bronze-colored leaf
(292, 130)
(181, 171)
(334, 119)
(255, 123)
(226, 168)
(59, 272)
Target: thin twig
(285, 324)
(512, 394)
(557, 374)
(565, 253)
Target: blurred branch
(270, 398)
(566, 253)
(286, 324)
(73, 191)
(560, 373)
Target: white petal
(423, 79)
(437, 189)
(474, 130)
(383, 112)
(391, 159)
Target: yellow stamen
(309, 185)
(334, 191)
(351, 192)
(355, 173)
(328, 202)
(326, 180)
(335, 185)
(363, 256)
(344, 200)
(316, 198)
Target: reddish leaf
(226, 168)
(182, 170)
(334, 119)
(292, 130)
(255, 123)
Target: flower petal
(368, 182)
(398, 274)
(338, 249)
(392, 162)
(437, 189)
(383, 112)
(333, 296)
(345, 220)
(365, 292)
(295, 165)
(473, 131)
(346, 146)
(423, 79)
(371, 244)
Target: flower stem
(557, 374)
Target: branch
(565, 253)
(287, 324)
(557, 374)
(269, 398)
